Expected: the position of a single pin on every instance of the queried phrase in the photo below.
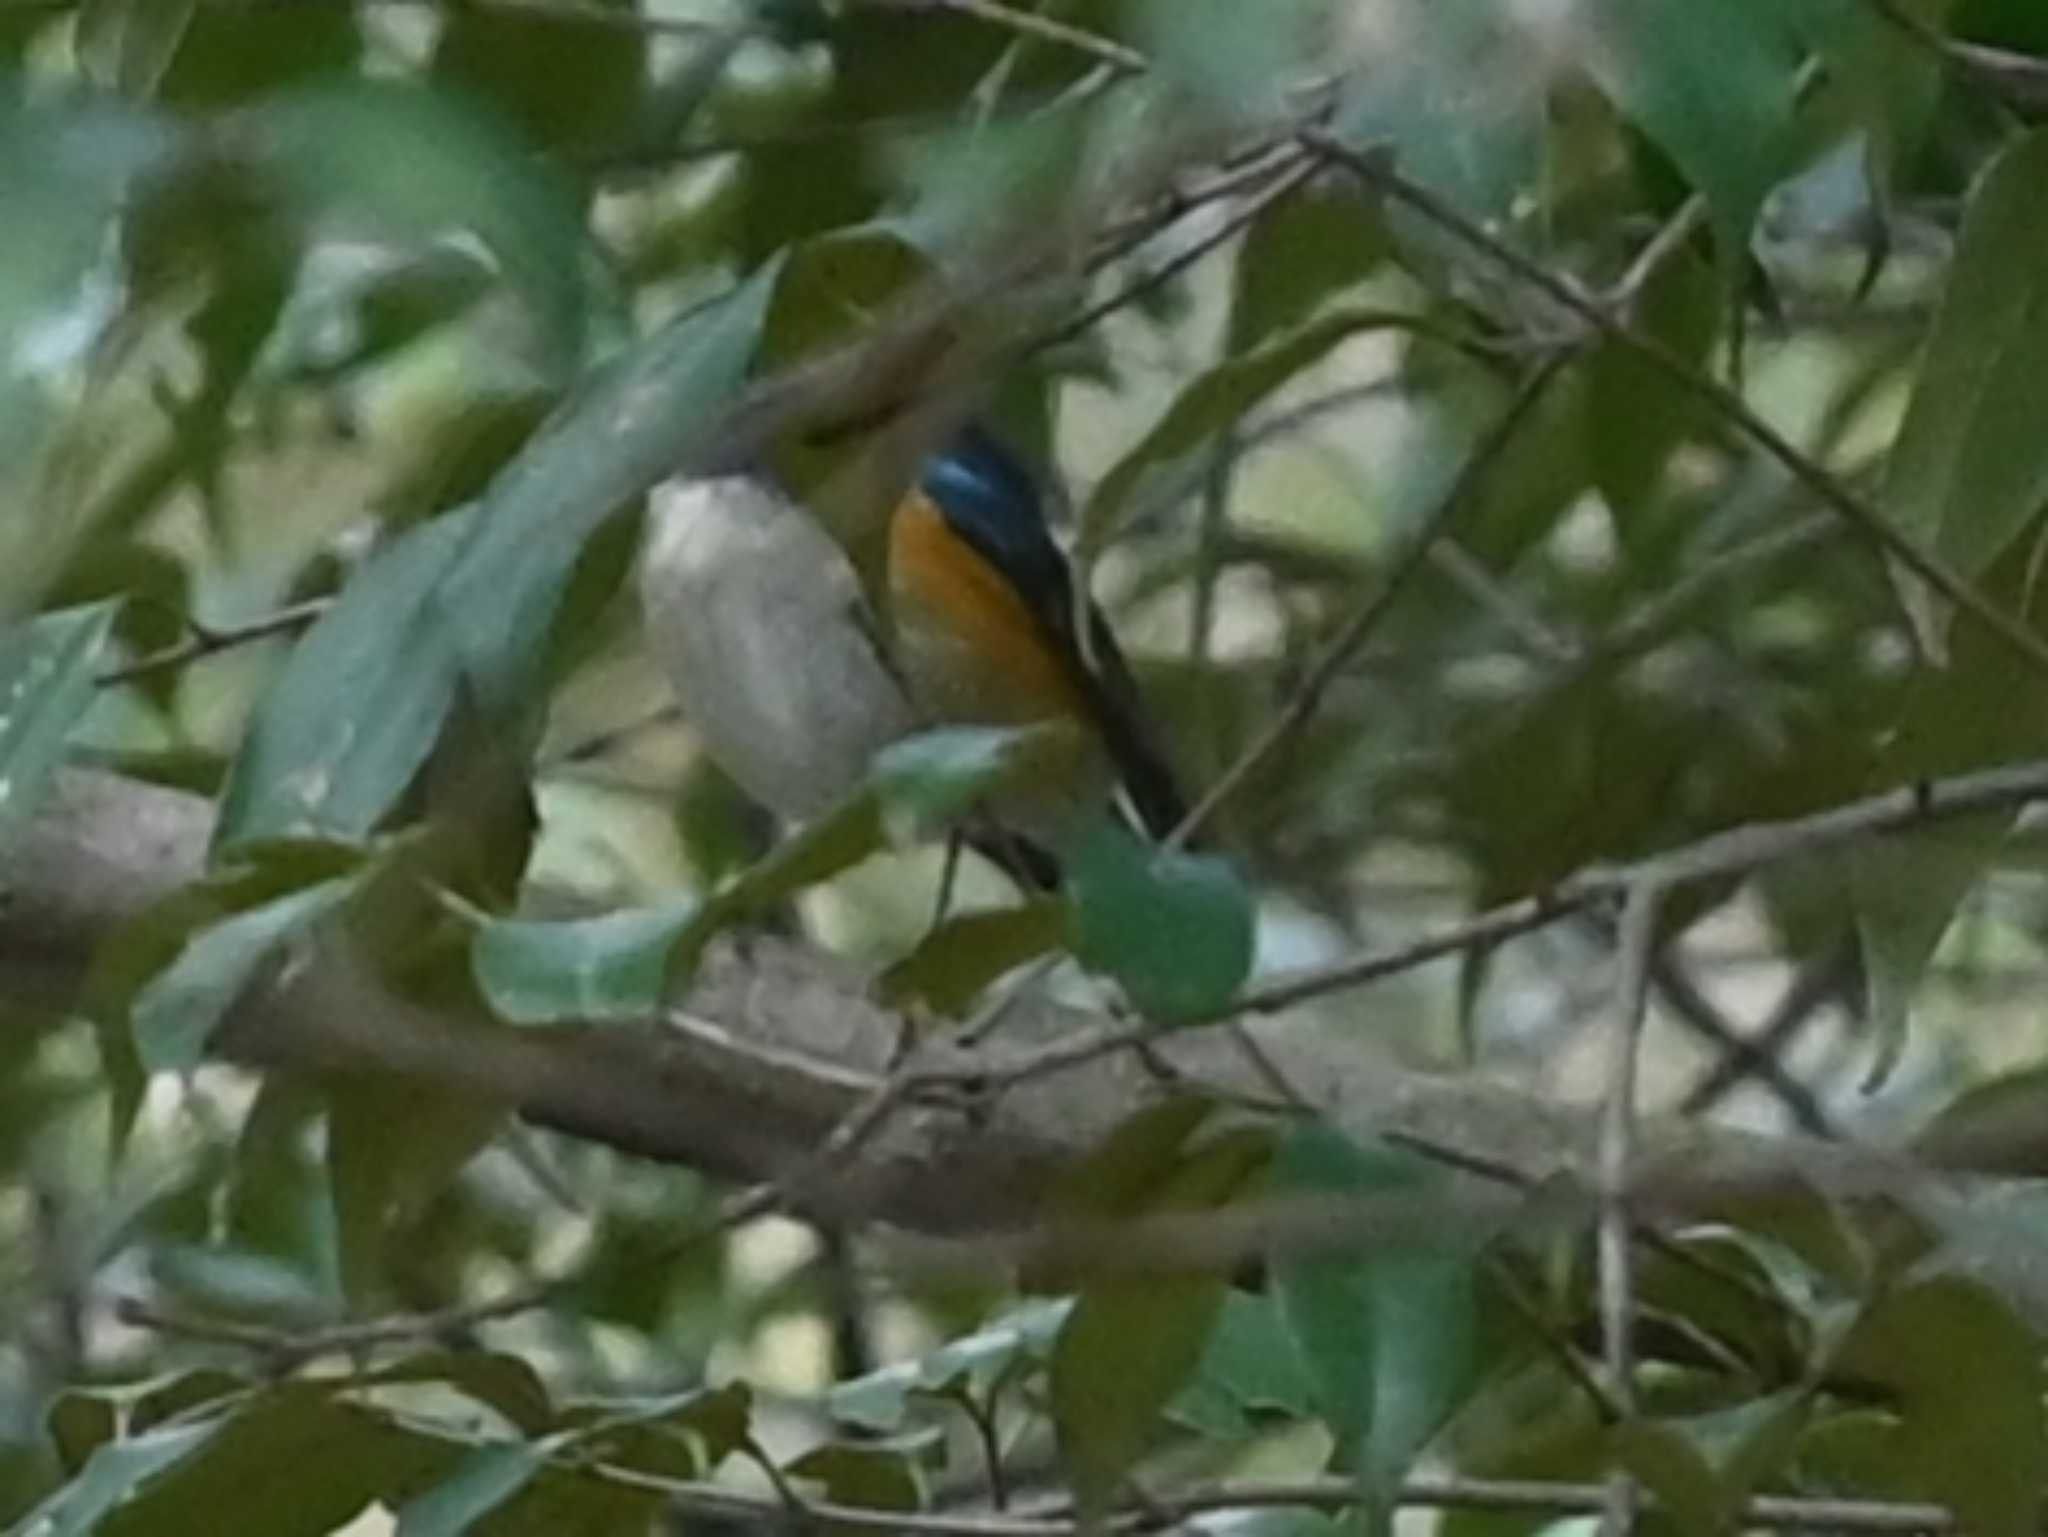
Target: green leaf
(392, 1145)
(1390, 1338)
(880, 1400)
(65, 167)
(1121, 1356)
(111, 1474)
(175, 1016)
(1458, 90)
(963, 955)
(1312, 247)
(646, 414)
(573, 83)
(1210, 404)
(871, 1475)
(1969, 471)
(1714, 87)
(1968, 1382)
(834, 288)
(1250, 1374)
(611, 967)
(507, 1384)
(293, 1462)
(48, 668)
(421, 163)
(927, 780)
(1174, 929)
(1132, 1341)
(1985, 707)
(1691, 1497)
(478, 1485)
(1635, 415)
(309, 768)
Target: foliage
(341, 348)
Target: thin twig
(1302, 705)
(1859, 514)
(1815, 983)
(1121, 57)
(1294, 175)
(208, 640)
(1734, 852)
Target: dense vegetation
(1569, 480)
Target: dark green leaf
(871, 1475)
(294, 1463)
(392, 1144)
(573, 83)
(1123, 1353)
(1968, 1383)
(1174, 929)
(1131, 1342)
(477, 1485)
(963, 955)
(1311, 248)
(1970, 468)
(1635, 416)
(1691, 1498)
(111, 1475)
(48, 666)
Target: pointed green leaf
(1970, 468)
(643, 416)
(392, 1145)
(111, 1474)
(312, 765)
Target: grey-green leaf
(47, 670)
(614, 966)
(346, 725)
(175, 1016)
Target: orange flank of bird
(974, 649)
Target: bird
(990, 630)
(794, 680)
(757, 617)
